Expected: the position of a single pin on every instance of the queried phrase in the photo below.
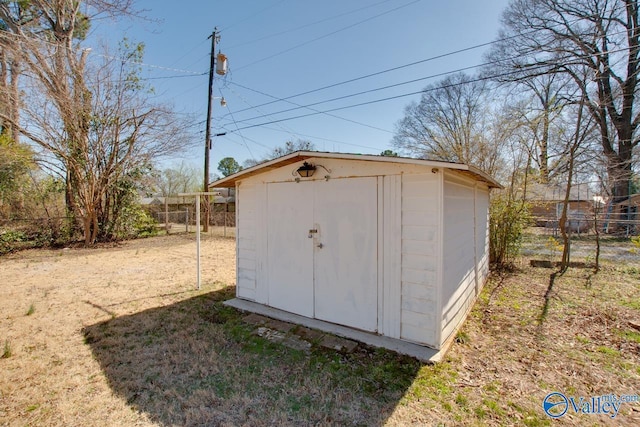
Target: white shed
(395, 247)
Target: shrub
(10, 239)
(6, 353)
(135, 222)
(507, 220)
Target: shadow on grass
(196, 363)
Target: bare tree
(539, 112)
(288, 148)
(596, 44)
(97, 126)
(9, 93)
(180, 179)
(291, 147)
(452, 122)
(575, 140)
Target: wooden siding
(247, 217)
(419, 319)
(459, 274)
(389, 318)
(432, 254)
(482, 236)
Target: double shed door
(322, 242)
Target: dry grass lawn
(119, 336)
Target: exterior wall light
(306, 170)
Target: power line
(355, 79)
(328, 34)
(173, 77)
(299, 106)
(263, 115)
(422, 61)
(308, 106)
(290, 131)
(237, 127)
(282, 129)
(253, 15)
(189, 52)
(306, 25)
(488, 77)
(325, 139)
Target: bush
(10, 239)
(507, 220)
(135, 222)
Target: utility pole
(207, 143)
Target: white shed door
(290, 251)
(345, 263)
(322, 250)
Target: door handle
(320, 245)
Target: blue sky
(281, 48)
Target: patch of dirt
(51, 377)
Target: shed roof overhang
(230, 181)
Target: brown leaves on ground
(120, 336)
(583, 346)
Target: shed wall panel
(482, 234)
(246, 241)
(459, 305)
(420, 257)
(418, 305)
(465, 249)
(418, 333)
(392, 256)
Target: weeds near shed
(508, 219)
(462, 337)
(6, 353)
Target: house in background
(363, 246)
(547, 202)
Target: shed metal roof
(298, 156)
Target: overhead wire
(326, 35)
(290, 131)
(237, 128)
(196, 74)
(410, 64)
(355, 79)
(308, 106)
(253, 15)
(306, 25)
(325, 139)
(189, 52)
(488, 77)
(299, 107)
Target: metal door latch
(320, 245)
(312, 232)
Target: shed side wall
(482, 235)
(246, 213)
(465, 249)
(421, 237)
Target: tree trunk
(543, 157)
(14, 104)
